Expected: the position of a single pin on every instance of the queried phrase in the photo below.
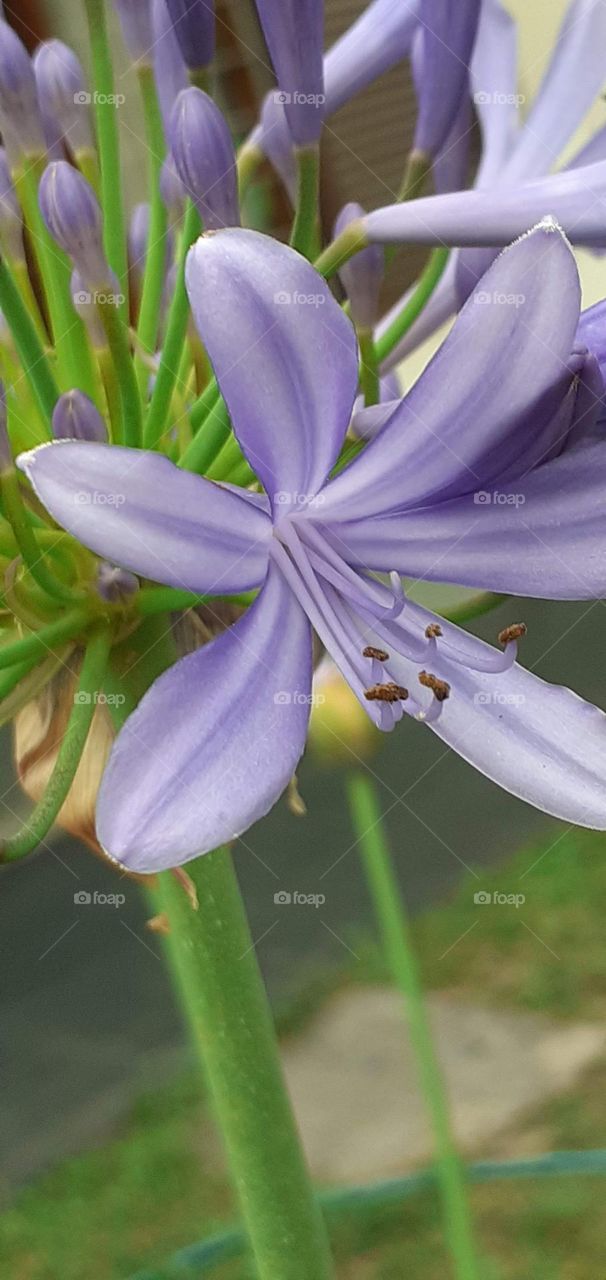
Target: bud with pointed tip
(136, 22)
(75, 417)
(194, 26)
(362, 276)
(20, 119)
(72, 214)
(204, 158)
(62, 93)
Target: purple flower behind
(293, 31)
(194, 27)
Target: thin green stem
(209, 440)
(31, 354)
(153, 277)
(225, 1001)
(106, 120)
(204, 404)
(369, 367)
(33, 557)
(176, 330)
(45, 640)
(130, 400)
(303, 235)
(152, 600)
(70, 751)
(395, 930)
(413, 308)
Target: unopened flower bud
(20, 119)
(194, 26)
(204, 158)
(340, 731)
(72, 214)
(75, 417)
(62, 93)
(362, 275)
(11, 224)
(115, 584)
(136, 22)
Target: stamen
(380, 655)
(512, 633)
(439, 688)
(386, 693)
(433, 631)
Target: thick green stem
(106, 119)
(31, 354)
(153, 278)
(70, 751)
(369, 367)
(33, 557)
(209, 440)
(351, 241)
(226, 1004)
(176, 330)
(130, 400)
(46, 639)
(303, 235)
(395, 930)
(413, 308)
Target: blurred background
(109, 1155)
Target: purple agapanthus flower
(484, 475)
(513, 184)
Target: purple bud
(171, 188)
(62, 93)
(85, 305)
(293, 31)
(136, 22)
(204, 158)
(19, 110)
(169, 68)
(72, 214)
(194, 26)
(75, 417)
(114, 584)
(11, 223)
(362, 276)
(441, 55)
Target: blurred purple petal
(194, 26)
(445, 40)
(294, 34)
(362, 276)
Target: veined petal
(542, 535)
(495, 382)
(284, 354)
(444, 42)
(576, 198)
(214, 742)
(141, 512)
(572, 82)
(539, 741)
